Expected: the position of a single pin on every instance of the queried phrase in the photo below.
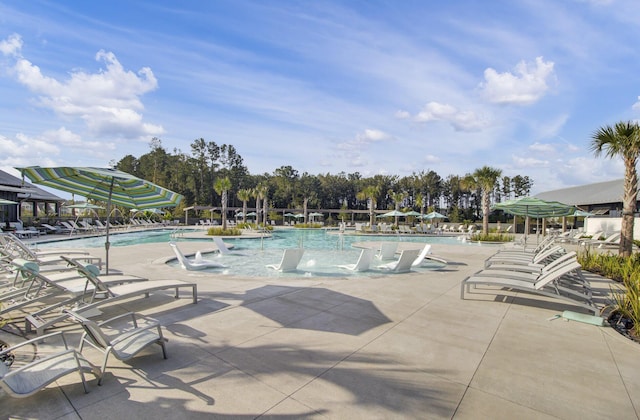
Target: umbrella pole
(106, 243)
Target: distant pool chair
(186, 264)
(403, 263)
(290, 259)
(387, 251)
(363, 263)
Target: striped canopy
(534, 207)
(104, 184)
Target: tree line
(211, 172)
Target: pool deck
(396, 346)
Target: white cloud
(431, 159)
(12, 45)
(108, 101)
(636, 106)
(528, 162)
(371, 135)
(526, 86)
(542, 147)
(403, 115)
(460, 120)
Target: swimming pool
(280, 239)
(323, 250)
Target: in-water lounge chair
(135, 333)
(403, 263)
(290, 259)
(426, 254)
(387, 251)
(223, 249)
(193, 265)
(363, 263)
(27, 379)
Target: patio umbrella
(535, 207)
(393, 213)
(104, 184)
(412, 213)
(434, 215)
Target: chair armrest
(151, 323)
(37, 339)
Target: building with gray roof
(601, 198)
(15, 189)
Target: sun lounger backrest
(387, 250)
(92, 330)
(91, 272)
(221, 245)
(181, 258)
(421, 257)
(364, 261)
(541, 256)
(552, 275)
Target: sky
(370, 86)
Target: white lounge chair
(27, 379)
(518, 257)
(290, 259)
(403, 264)
(363, 263)
(130, 339)
(222, 247)
(611, 240)
(114, 293)
(426, 254)
(546, 284)
(387, 251)
(193, 265)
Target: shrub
(308, 225)
(626, 296)
(218, 231)
(492, 237)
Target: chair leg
(104, 366)
(162, 342)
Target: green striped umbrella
(535, 207)
(104, 184)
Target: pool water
(314, 263)
(324, 251)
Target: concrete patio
(397, 346)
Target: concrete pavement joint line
(624, 384)
(481, 359)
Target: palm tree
(397, 198)
(222, 187)
(485, 178)
(421, 200)
(244, 195)
(369, 193)
(260, 192)
(622, 140)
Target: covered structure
(34, 201)
(600, 199)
